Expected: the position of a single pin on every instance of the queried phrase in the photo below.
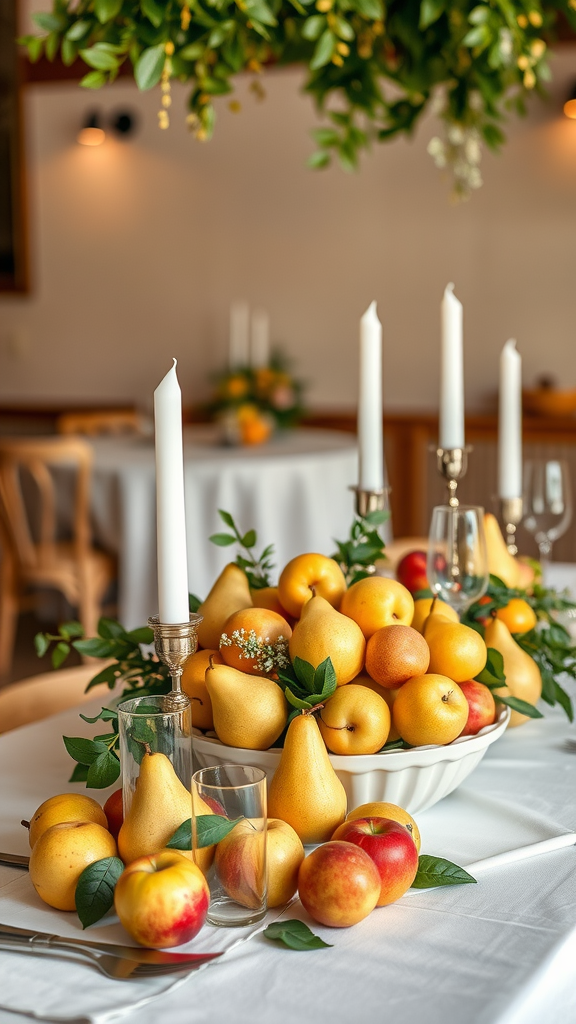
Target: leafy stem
(257, 569)
(356, 555)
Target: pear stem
(309, 711)
(25, 823)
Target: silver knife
(26, 937)
(14, 860)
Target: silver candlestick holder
(512, 515)
(367, 501)
(174, 644)
(452, 465)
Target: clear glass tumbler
(145, 725)
(457, 565)
(237, 876)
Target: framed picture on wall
(13, 250)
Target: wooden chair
(46, 694)
(103, 421)
(33, 556)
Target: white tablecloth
(499, 952)
(293, 491)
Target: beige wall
(139, 247)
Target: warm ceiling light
(91, 134)
(570, 105)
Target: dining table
(500, 950)
(293, 490)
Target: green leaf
(226, 517)
(249, 539)
(35, 46)
(519, 705)
(259, 11)
(95, 647)
(430, 11)
(59, 654)
(564, 701)
(192, 52)
(305, 673)
(479, 14)
(142, 635)
(70, 630)
(100, 59)
(313, 27)
(325, 679)
(41, 643)
(105, 715)
(477, 36)
(493, 672)
(193, 602)
(295, 934)
(435, 871)
(104, 771)
(78, 30)
(51, 44)
(83, 750)
(107, 675)
(49, 22)
(95, 889)
(94, 80)
(318, 160)
(373, 9)
(110, 629)
(210, 829)
(107, 10)
(222, 540)
(153, 11)
(149, 67)
(80, 773)
(324, 50)
(302, 705)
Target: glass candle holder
(144, 725)
(457, 564)
(237, 876)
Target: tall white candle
(170, 515)
(260, 340)
(510, 423)
(370, 402)
(451, 432)
(239, 348)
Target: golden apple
(60, 855)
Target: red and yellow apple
(411, 571)
(481, 707)
(379, 809)
(339, 884)
(392, 849)
(162, 900)
(114, 811)
(240, 862)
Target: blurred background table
(293, 491)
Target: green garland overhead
(373, 67)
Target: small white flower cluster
(265, 655)
(462, 152)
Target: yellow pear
(323, 632)
(229, 594)
(523, 679)
(248, 711)
(159, 806)
(500, 562)
(456, 651)
(423, 608)
(305, 790)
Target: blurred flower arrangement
(252, 402)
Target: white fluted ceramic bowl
(414, 779)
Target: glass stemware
(547, 502)
(457, 565)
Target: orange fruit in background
(430, 709)
(376, 602)
(517, 615)
(456, 651)
(194, 685)
(395, 654)
(355, 720)
(310, 574)
(267, 597)
(422, 610)
(253, 626)
(386, 810)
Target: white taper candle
(170, 513)
(451, 432)
(239, 347)
(260, 340)
(510, 423)
(370, 402)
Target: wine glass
(457, 565)
(547, 502)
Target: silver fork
(116, 967)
